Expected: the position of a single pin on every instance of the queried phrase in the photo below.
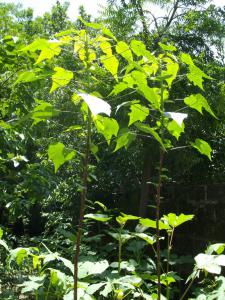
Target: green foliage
(59, 154)
(203, 147)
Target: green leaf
(203, 147)
(67, 263)
(152, 224)
(96, 105)
(19, 254)
(59, 154)
(98, 26)
(1, 233)
(38, 44)
(29, 76)
(90, 268)
(177, 117)
(195, 75)
(218, 248)
(210, 263)
(151, 94)
(61, 78)
(3, 243)
(169, 47)
(107, 290)
(43, 111)
(198, 102)
(52, 49)
(123, 49)
(124, 218)
(171, 70)
(118, 88)
(138, 113)
(73, 128)
(108, 127)
(149, 239)
(174, 221)
(139, 48)
(94, 287)
(145, 128)
(124, 236)
(111, 64)
(175, 129)
(124, 140)
(98, 217)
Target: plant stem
(169, 247)
(83, 194)
(120, 252)
(189, 286)
(158, 193)
(158, 197)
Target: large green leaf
(198, 102)
(124, 140)
(3, 243)
(152, 224)
(95, 287)
(203, 147)
(43, 111)
(195, 75)
(31, 75)
(59, 154)
(96, 105)
(171, 70)
(167, 47)
(52, 49)
(98, 26)
(124, 218)
(38, 44)
(174, 221)
(138, 112)
(139, 48)
(147, 129)
(210, 263)
(218, 248)
(175, 129)
(151, 94)
(108, 127)
(111, 64)
(148, 238)
(123, 49)
(98, 217)
(90, 268)
(61, 78)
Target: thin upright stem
(83, 194)
(158, 198)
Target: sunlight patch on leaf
(96, 105)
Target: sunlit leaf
(96, 105)
(89, 268)
(174, 221)
(98, 217)
(198, 102)
(167, 47)
(124, 140)
(123, 49)
(111, 64)
(61, 78)
(108, 127)
(138, 112)
(147, 129)
(43, 111)
(58, 154)
(148, 238)
(203, 147)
